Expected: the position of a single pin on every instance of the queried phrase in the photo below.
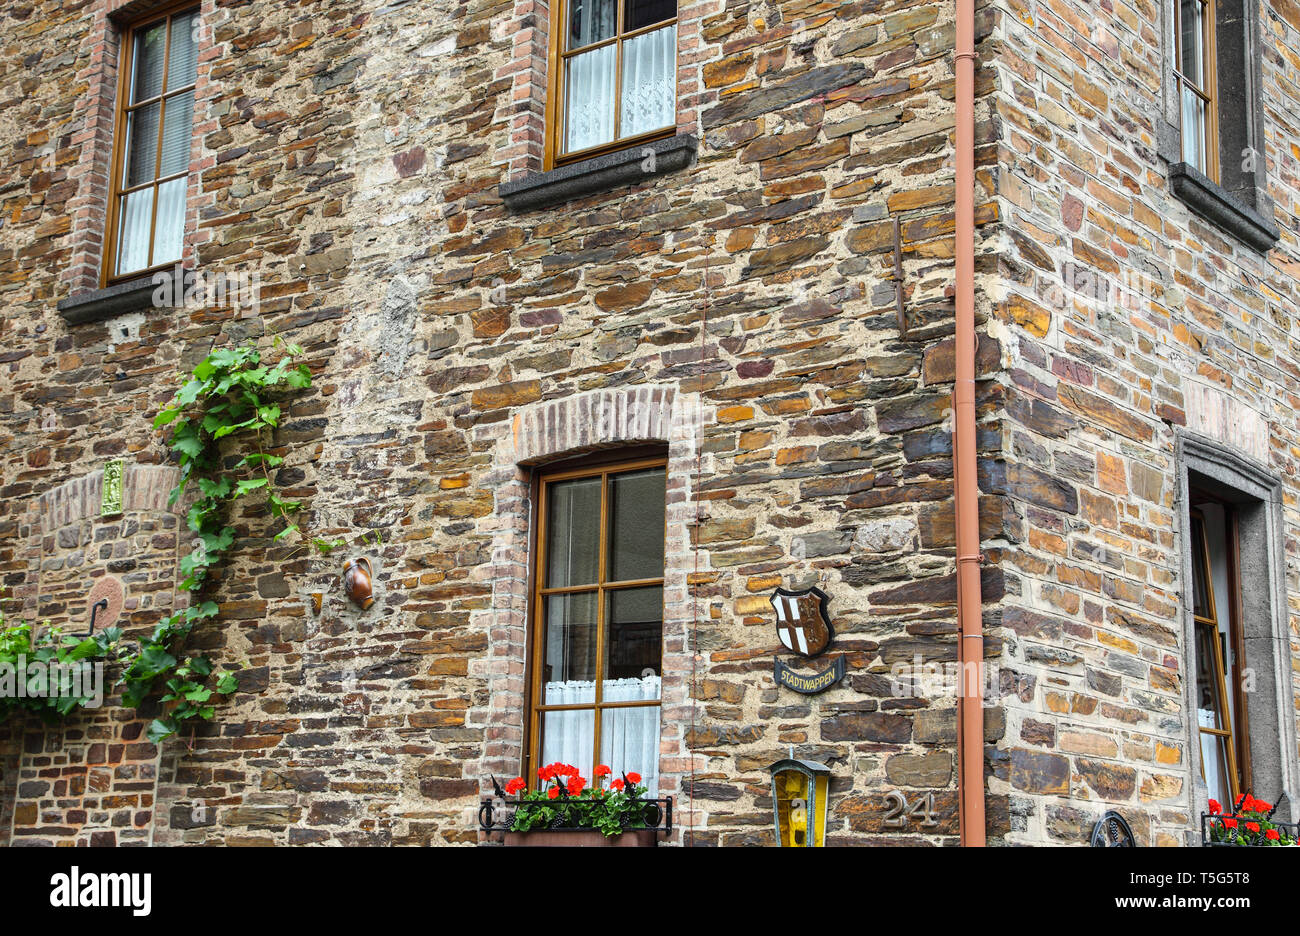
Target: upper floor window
(1194, 70)
(151, 145)
(614, 75)
(598, 619)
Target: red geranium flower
(634, 777)
(1248, 804)
(617, 784)
(1271, 835)
(1262, 806)
(1252, 827)
(602, 770)
(1215, 808)
(576, 783)
(515, 785)
(553, 792)
(1230, 823)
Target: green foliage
(230, 394)
(65, 678)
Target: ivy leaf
(199, 695)
(299, 378)
(201, 665)
(160, 730)
(219, 542)
(153, 660)
(212, 488)
(291, 528)
(227, 684)
(189, 393)
(187, 441)
(166, 417)
(231, 427)
(249, 484)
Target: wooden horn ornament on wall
(357, 582)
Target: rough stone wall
(1120, 308)
(349, 155)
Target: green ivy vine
(232, 392)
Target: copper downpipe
(970, 699)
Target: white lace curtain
(629, 736)
(649, 85)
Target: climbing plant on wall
(221, 421)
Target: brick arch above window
(591, 421)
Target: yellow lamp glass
(799, 801)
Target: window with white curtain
(598, 619)
(155, 126)
(1194, 72)
(616, 74)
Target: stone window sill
(598, 174)
(99, 304)
(1219, 206)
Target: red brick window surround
(540, 137)
(612, 421)
(93, 138)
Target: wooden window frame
(557, 94)
(1237, 733)
(601, 465)
(117, 186)
(1207, 94)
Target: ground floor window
(597, 618)
(1219, 650)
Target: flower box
(1249, 825)
(582, 838)
(563, 811)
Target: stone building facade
(765, 297)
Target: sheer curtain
(649, 61)
(629, 736)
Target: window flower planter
(1249, 825)
(565, 812)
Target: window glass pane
(178, 130)
(629, 742)
(147, 57)
(183, 56)
(570, 738)
(170, 230)
(633, 639)
(569, 664)
(591, 21)
(573, 534)
(589, 117)
(1192, 42)
(1193, 129)
(1209, 706)
(136, 211)
(1200, 596)
(1214, 767)
(636, 535)
(649, 82)
(638, 13)
(142, 144)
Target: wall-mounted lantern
(799, 801)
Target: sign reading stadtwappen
(808, 685)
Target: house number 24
(898, 813)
